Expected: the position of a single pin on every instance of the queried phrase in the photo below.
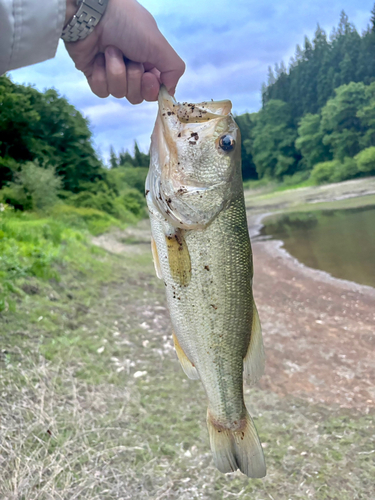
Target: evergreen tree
(113, 161)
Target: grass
(94, 405)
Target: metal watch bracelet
(84, 21)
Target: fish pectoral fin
(179, 258)
(155, 257)
(253, 362)
(185, 362)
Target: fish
(201, 250)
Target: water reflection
(341, 242)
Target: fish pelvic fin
(253, 363)
(155, 258)
(185, 362)
(237, 449)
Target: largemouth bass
(201, 250)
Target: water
(341, 242)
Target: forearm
(29, 31)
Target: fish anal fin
(179, 258)
(186, 364)
(237, 448)
(254, 360)
(155, 257)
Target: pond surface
(340, 242)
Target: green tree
(44, 127)
(274, 153)
(340, 124)
(310, 141)
(246, 123)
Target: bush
(133, 201)
(366, 160)
(34, 188)
(123, 207)
(296, 178)
(324, 171)
(335, 171)
(123, 177)
(346, 170)
(89, 219)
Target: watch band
(84, 21)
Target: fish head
(195, 161)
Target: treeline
(47, 159)
(317, 117)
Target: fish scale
(202, 252)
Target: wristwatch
(85, 19)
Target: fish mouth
(173, 111)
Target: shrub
(366, 160)
(34, 188)
(133, 201)
(324, 171)
(123, 207)
(346, 170)
(335, 171)
(296, 178)
(83, 218)
(122, 177)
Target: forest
(317, 120)
(316, 125)
(48, 162)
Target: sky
(227, 47)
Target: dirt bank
(318, 331)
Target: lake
(340, 242)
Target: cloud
(227, 46)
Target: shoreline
(275, 247)
(318, 330)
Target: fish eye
(226, 142)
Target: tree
(44, 127)
(112, 158)
(341, 127)
(246, 124)
(310, 141)
(372, 19)
(274, 154)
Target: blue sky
(227, 46)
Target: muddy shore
(319, 331)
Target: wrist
(71, 9)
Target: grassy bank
(94, 404)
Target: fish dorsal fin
(253, 362)
(179, 257)
(186, 364)
(155, 257)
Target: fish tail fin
(237, 449)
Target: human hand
(126, 55)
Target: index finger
(168, 62)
